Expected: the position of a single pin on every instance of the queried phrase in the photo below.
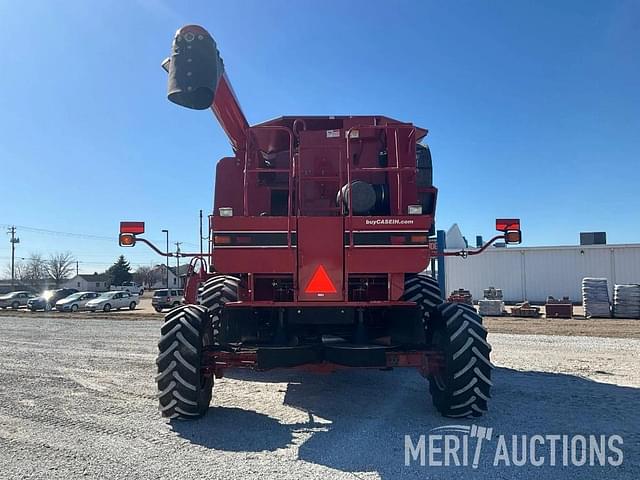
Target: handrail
(397, 169)
(290, 171)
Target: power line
(85, 236)
(108, 262)
(66, 234)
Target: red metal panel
(254, 260)
(391, 259)
(276, 259)
(320, 243)
(228, 112)
(228, 191)
(405, 222)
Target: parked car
(108, 301)
(164, 298)
(15, 299)
(131, 287)
(75, 302)
(47, 300)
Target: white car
(131, 287)
(76, 301)
(113, 301)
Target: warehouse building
(533, 273)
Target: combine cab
(319, 242)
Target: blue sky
(533, 109)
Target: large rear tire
(184, 391)
(216, 292)
(462, 387)
(424, 290)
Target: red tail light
(135, 228)
(506, 224)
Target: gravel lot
(77, 401)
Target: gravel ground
(77, 401)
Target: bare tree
(34, 270)
(59, 266)
(20, 268)
(145, 275)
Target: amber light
(127, 240)
(513, 237)
(418, 239)
(221, 240)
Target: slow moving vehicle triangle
(320, 282)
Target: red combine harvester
(319, 243)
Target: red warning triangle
(320, 282)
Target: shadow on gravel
(252, 431)
(370, 412)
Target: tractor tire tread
(467, 362)
(182, 393)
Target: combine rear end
(319, 243)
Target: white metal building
(533, 273)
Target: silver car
(15, 299)
(76, 301)
(108, 301)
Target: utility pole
(178, 263)
(77, 268)
(12, 231)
